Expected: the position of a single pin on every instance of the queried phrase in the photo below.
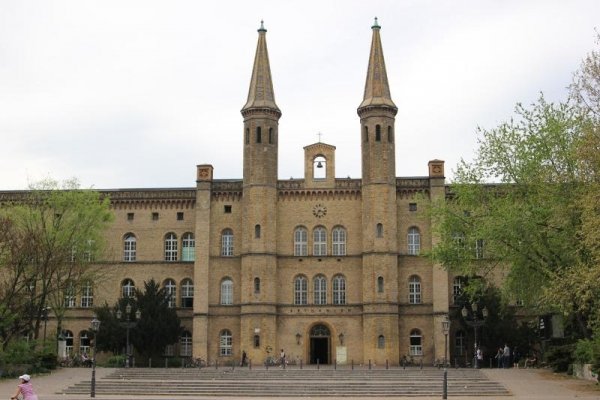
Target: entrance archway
(320, 344)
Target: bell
(319, 164)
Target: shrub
(559, 357)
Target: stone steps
(290, 382)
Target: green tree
(49, 239)
(159, 325)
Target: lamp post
(128, 324)
(473, 319)
(45, 311)
(95, 327)
(445, 329)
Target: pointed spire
(260, 94)
(377, 89)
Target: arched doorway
(320, 344)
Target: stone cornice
(408, 187)
(181, 198)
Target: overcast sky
(125, 94)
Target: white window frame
(339, 290)
(185, 344)
(187, 292)
(171, 292)
(320, 290)
(69, 341)
(338, 236)
(300, 242)
(226, 292)
(129, 248)
(227, 243)
(127, 288)
(188, 247)
(70, 297)
(457, 288)
(171, 247)
(319, 241)
(84, 342)
(414, 241)
(225, 343)
(416, 343)
(87, 295)
(300, 290)
(414, 290)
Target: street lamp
(95, 327)
(445, 329)
(45, 311)
(473, 319)
(128, 324)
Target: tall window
(300, 290)
(457, 288)
(187, 293)
(226, 291)
(171, 293)
(414, 290)
(247, 136)
(68, 342)
(416, 343)
(225, 343)
(70, 299)
(188, 247)
(257, 285)
(87, 295)
(300, 242)
(366, 134)
(460, 343)
(414, 241)
(258, 135)
(271, 140)
(339, 290)
(380, 284)
(381, 342)
(378, 133)
(479, 245)
(320, 241)
(129, 247)
(185, 344)
(227, 243)
(84, 342)
(171, 247)
(339, 241)
(320, 290)
(379, 230)
(127, 288)
(257, 231)
(390, 135)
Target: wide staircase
(290, 382)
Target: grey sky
(136, 93)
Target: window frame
(226, 298)
(338, 290)
(416, 343)
(320, 290)
(414, 290)
(300, 290)
(338, 241)
(300, 242)
(129, 247)
(225, 343)
(188, 247)
(171, 247)
(187, 293)
(227, 243)
(413, 239)
(320, 241)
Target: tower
(259, 217)
(379, 213)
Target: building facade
(328, 269)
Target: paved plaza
(531, 384)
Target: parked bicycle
(194, 363)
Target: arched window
(257, 231)
(84, 342)
(390, 135)
(414, 290)
(257, 285)
(271, 136)
(129, 247)
(416, 343)
(87, 295)
(320, 289)
(339, 290)
(300, 242)
(300, 290)
(381, 342)
(68, 335)
(247, 138)
(225, 343)
(188, 247)
(185, 344)
(339, 241)
(366, 133)
(378, 133)
(460, 343)
(319, 241)
(379, 230)
(187, 293)
(171, 293)
(127, 288)
(256, 341)
(457, 289)
(414, 241)
(226, 291)
(380, 284)
(319, 167)
(227, 243)
(170, 247)
(258, 135)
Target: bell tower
(379, 211)
(258, 252)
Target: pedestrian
(25, 389)
(506, 356)
(499, 357)
(282, 357)
(516, 357)
(479, 357)
(243, 358)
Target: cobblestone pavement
(530, 384)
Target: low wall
(584, 371)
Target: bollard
(369, 363)
(334, 365)
(387, 365)
(317, 363)
(300, 363)
(353, 364)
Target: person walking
(25, 389)
(499, 357)
(479, 356)
(282, 358)
(506, 356)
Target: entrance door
(319, 344)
